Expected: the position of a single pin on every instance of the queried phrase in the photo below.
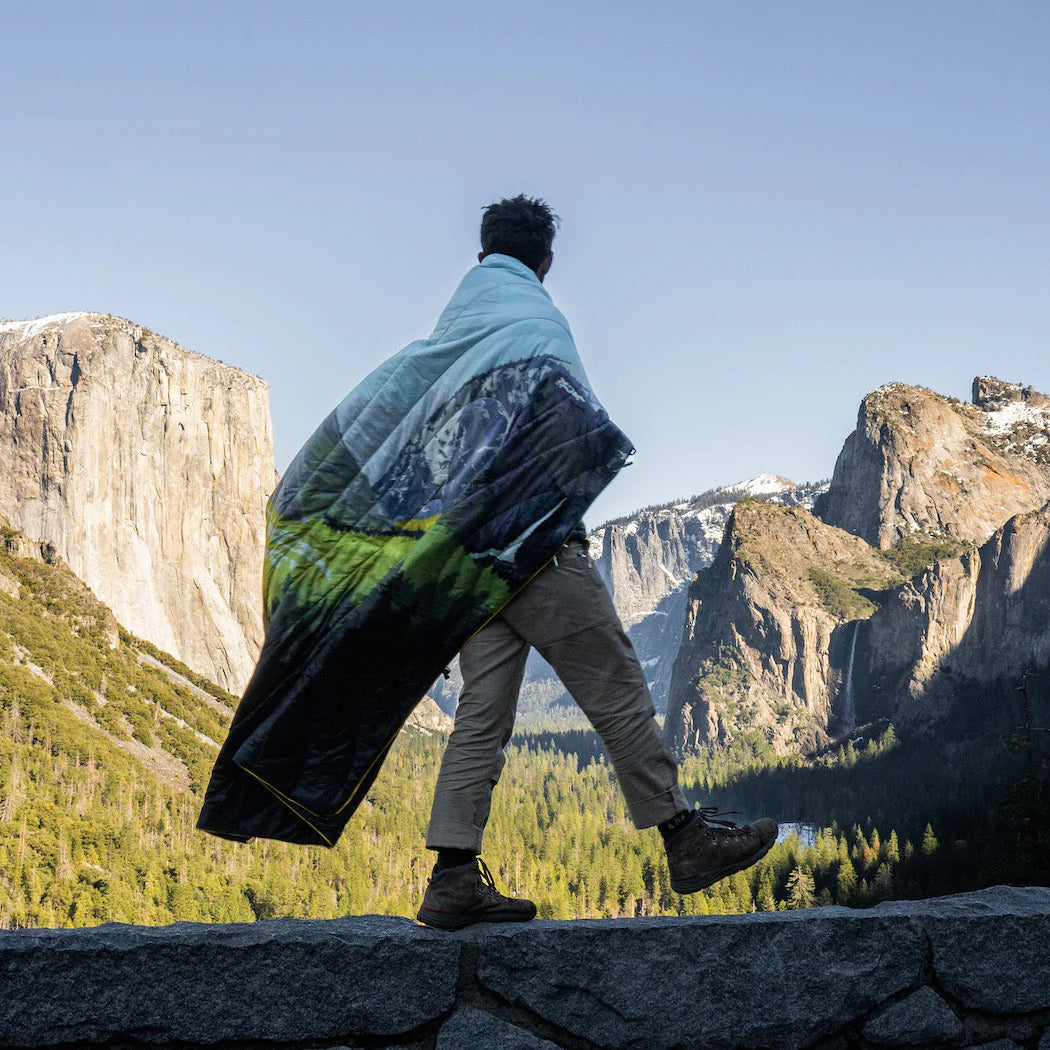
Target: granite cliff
(968, 626)
(919, 462)
(766, 644)
(920, 581)
(147, 468)
(647, 560)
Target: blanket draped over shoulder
(434, 491)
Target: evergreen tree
(929, 842)
(800, 889)
(892, 853)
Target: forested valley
(106, 743)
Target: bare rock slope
(147, 467)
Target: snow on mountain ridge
(1001, 420)
(766, 485)
(35, 326)
(696, 507)
(1022, 429)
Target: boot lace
(488, 883)
(727, 828)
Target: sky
(768, 208)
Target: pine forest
(107, 743)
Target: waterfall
(849, 704)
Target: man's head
(521, 227)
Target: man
(566, 613)
(438, 508)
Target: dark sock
(680, 820)
(453, 858)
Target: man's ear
(541, 270)
(481, 255)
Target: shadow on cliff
(964, 761)
(884, 662)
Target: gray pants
(567, 614)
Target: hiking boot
(461, 896)
(699, 855)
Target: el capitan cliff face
(148, 468)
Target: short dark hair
(522, 227)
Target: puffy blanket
(434, 491)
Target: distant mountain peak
(766, 485)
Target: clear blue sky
(769, 208)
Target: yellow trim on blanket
(291, 804)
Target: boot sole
(445, 921)
(709, 878)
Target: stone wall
(965, 971)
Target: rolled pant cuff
(453, 835)
(648, 812)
